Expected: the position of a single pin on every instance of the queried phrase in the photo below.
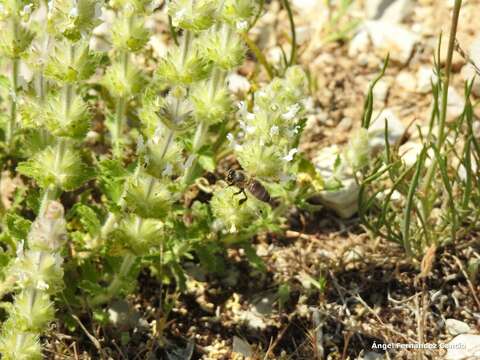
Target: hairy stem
(12, 123)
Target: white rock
(475, 51)
(406, 81)
(409, 152)
(396, 129)
(275, 55)
(304, 34)
(380, 92)
(456, 327)
(394, 39)
(464, 347)
(411, 149)
(238, 83)
(425, 77)
(393, 11)
(455, 104)
(359, 43)
(343, 200)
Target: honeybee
(241, 180)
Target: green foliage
(192, 15)
(47, 168)
(121, 82)
(69, 65)
(13, 44)
(72, 19)
(152, 205)
(129, 34)
(177, 70)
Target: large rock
(393, 11)
(359, 43)
(456, 327)
(343, 200)
(464, 347)
(376, 131)
(455, 104)
(425, 78)
(393, 39)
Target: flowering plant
(136, 153)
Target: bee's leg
(241, 201)
(239, 192)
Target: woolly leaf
(67, 171)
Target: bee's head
(230, 179)
(234, 177)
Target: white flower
(274, 130)
(42, 285)
(27, 9)
(2, 8)
(290, 155)
(250, 116)
(168, 171)
(230, 137)
(73, 12)
(242, 25)
(250, 129)
(178, 17)
(292, 111)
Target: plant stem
(115, 285)
(443, 112)
(128, 260)
(259, 55)
(293, 53)
(448, 72)
(120, 112)
(10, 133)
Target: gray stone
(394, 39)
(359, 43)
(456, 327)
(394, 11)
(464, 347)
(455, 104)
(380, 92)
(406, 81)
(344, 199)
(425, 77)
(376, 132)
